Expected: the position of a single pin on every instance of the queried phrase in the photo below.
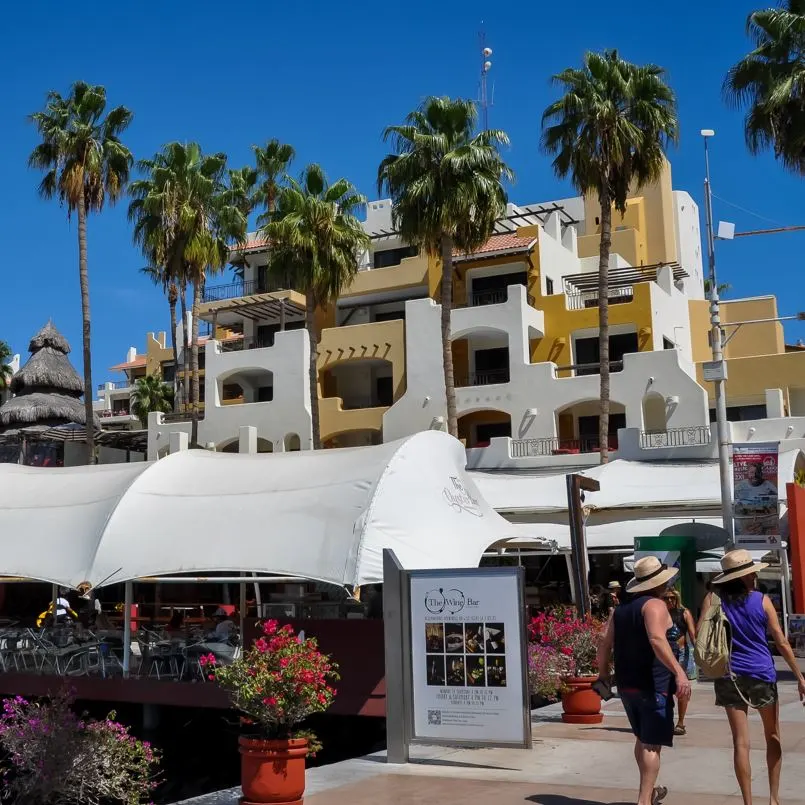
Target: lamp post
(716, 370)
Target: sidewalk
(568, 765)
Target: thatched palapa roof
(47, 389)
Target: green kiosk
(680, 546)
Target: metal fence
(675, 437)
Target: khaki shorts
(755, 691)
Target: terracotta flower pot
(272, 771)
(581, 704)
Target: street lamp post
(717, 370)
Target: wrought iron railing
(115, 385)
(696, 435)
(492, 297)
(585, 299)
(485, 377)
(581, 369)
(233, 290)
(530, 448)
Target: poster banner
(796, 634)
(469, 677)
(755, 501)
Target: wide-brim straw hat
(614, 585)
(649, 574)
(736, 564)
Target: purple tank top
(750, 654)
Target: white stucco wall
(534, 395)
(287, 413)
(689, 243)
(558, 253)
(670, 316)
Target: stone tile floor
(568, 765)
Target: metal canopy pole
(128, 602)
(786, 586)
(395, 614)
(578, 542)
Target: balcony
(582, 369)
(335, 418)
(533, 448)
(694, 436)
(617, 296)
(234, 290)
(116, 385)
(487, 377)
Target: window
(548, 286)
(168, 372)
(667, 343)
(741, 413)
(491, 366)
(393, 257)
(492, 290)
(120, 406)
(483, 433)
(390, 315)
(588, 355)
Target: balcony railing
(617, 296)
(115, 385)
(582, 369)
(697, 435)
(233, 290)
(485, 377)
(497, 296)
(531, 448)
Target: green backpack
(712, 650)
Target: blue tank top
(750, 654)
(636, 665)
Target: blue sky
(327, 77)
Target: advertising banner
(468, 675)
(755, 500)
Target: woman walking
(682, 637)
(752, 679)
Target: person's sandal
(680, 730)
(660, 793)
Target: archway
(246, 385)
(292, 443)
(577, 427)
(477, 428)
(264, 445)
(354, 438)
(654, 416)
(359, 383)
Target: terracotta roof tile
(508, 241)
(135, 364)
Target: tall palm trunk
(185, 348)
(603, 320)
(173, 296)
(198, 291)
(85, 315)
(313, 366)
(447, 346)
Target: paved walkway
(568, 765)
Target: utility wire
(748, 212)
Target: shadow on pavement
(559, 799)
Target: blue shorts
(651, 716)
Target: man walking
(646, 672)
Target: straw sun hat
(736, 564)
(649, 574)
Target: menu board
(469, 680)
(755, 510)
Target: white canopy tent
(324, 515)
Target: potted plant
(280, 681)
(49, 754)
(576, 640)
(546, 669)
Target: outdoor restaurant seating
(65, 650)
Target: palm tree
(446, 186)
(85, 165)
(185, 217)
(608, 133)
(721, 287)
(150, 394)
(244, 193)
(162, 278)
(770, 83)
(5, 365)
(316, 239)
(273, 162)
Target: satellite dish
(706, 536)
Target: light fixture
(751, 431)
(531, 412)
(708, 133)
(672, 400)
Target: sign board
(714, 370)
(755, 500)
(469, 682)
